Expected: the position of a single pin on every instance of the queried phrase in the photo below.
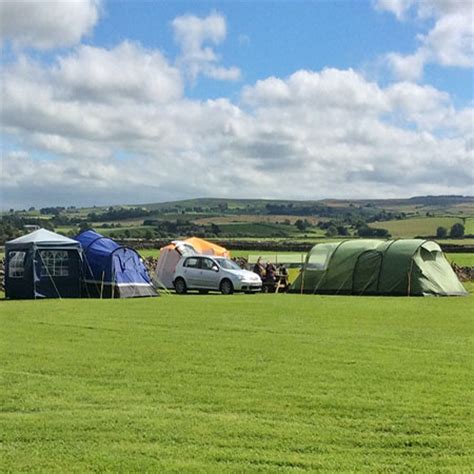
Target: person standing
(270, 277)
(258, 268)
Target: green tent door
(366, 273)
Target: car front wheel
(226, 287)
(180, 286)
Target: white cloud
(79, 95)
(46, 25)
(193, 34)
(398, 7)
(331, 88)
(136, 138)
(450, 41)
(408, 67)
(425, 106)
(126, 72)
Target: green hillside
(416, 226)
(253, 218)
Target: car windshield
(227, 264)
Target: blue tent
(43, 264)
(112, 271)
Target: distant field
(245, 218)
(462, 259)
(416, 226)
(265, 229)
(469, 225)
(241, 383)
(469, 241)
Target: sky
(127, 102)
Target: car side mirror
(215, 268)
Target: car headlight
(241, 277)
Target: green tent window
(319, 258)
(428, 256)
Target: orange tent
(171, 254)
(207, 248)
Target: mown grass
(241, 383)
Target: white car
(205, 273)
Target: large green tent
(406, 267)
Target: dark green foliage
(55, 211)
(341, 230)
(457, 231)
(84, 226)
(13, 225)
(441, 232)
(365, 231)
(441, 200)
(120, 213)
(215, 229)
(331, 231)
(302, 225)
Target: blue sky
(277, 38)
(117, 101)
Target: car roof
(198, 255)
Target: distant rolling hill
(450, 203)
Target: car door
(191, 272)
(209, 277)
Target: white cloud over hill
(136, 137)
(100, 125)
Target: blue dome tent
(43, 264)
(112, 271)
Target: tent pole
(112, 286)
(113, 283)
(156, 282)
(34, 270)
(102, 285)
(409, 278)
(50, 277)
(91, 275)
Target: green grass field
(462, 259)
(416, 226)
(266, 229)
(241, 384)
(469, 225)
